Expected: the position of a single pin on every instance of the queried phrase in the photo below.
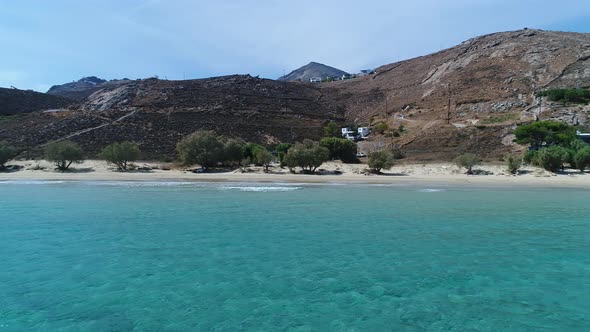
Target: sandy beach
(332, 172)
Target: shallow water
(179, 256)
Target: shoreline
(417, 174)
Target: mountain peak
(313, 70)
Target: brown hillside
(157, 113)
(490, 81)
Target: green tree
(340, 148)
(282, 149)
(552, 158)
(308, 155)
(468, 161)
(582, 158)
(202, 147)
(513, 164)
(233, 151)
(250, 149)
(263, 158)
(380, 160)
(7, 152)
(63, 154)
(332, 130)
(121, 154)
(541, 133)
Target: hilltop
(312, 70)
(82, 88)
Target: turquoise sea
(155, 256)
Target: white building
(315, 80)
(583, 136)
(347, 131)
(363, 131)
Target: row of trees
(65, 153)
(553, 145)
(578, 96)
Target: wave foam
(431, 190)
(261, 189)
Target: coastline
(408, 174)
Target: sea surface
(180, 256)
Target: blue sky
(53, 42)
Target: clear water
(243, 257)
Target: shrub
(582, 158)
(63, 154)
(332, 130)
(513, 164)
(380, 127)
(203, 147)
(530, 157)
(552, 158)
(263, 158)
(468, 161)
(380, 160)
(7, 152)
(121, 154)
(397, 153)
(340, 148)
(308, 155)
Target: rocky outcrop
(82, 88)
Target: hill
(158, 113)
(14, 101)
(490, 83)
(312, 70)
(82, 88)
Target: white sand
(436, 173)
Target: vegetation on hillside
(577, 96)
(544, 133)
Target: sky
(43, 43)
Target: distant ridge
(312, 70)
(15, 101)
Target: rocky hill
(466, 98)
(158, 113)
(82, 88)
(14, 101)
(489, 82)
(312, 70)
